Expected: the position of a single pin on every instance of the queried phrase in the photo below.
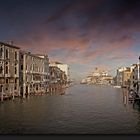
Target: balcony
(8, 75)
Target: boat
(124, 86)
(83, 81)
(117, 86)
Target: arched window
(1, 69)
(6, 53)
(1, 50)
(15, 55)
(1, 88)
(7, 81)
(15, 70)
(21, 56)
(6, 69)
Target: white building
(99, 72)
(63, 67)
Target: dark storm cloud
(99, 9)
(84, 16)
(60, 13)
(72, 6)
(98, 18)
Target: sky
(82, 33)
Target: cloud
(84, 32)
(110, 48)
(72, 6)
(60, 13)
(81, 50)
(122, 56)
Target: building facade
(119, 76)
(34, 70)
(23, 73)
(64, 67)
(58, 79)
(134, 84)
(126, 78)
(9, 70)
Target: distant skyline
(82, 33)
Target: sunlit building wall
(9, 70)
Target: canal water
(83, 109)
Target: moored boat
(117, 86)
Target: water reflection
(128, 99)
(59, 91)
(136, 106)
(125, 96)
(82, 109)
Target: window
(6, 81)
(15, 55)
(1, 88)
(1, 69)
(21, 67)
(6, 53)
(37, 87)
(22, 56)
(15, 81)
(1, 50)
(6, 69)
(15, 70)
(15, 87)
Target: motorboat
(117, 86)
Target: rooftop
(9, 45)
(55, 62)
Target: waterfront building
(46, 71)
(58, 79)
(119, 76)
(99, 72)
(134, 78)
(126, 77)
(115, 80)
(34, 74)
(89, 79)
(107, 80)
(99, 76)
(54, 74)
(9, 70)
(63, 67)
